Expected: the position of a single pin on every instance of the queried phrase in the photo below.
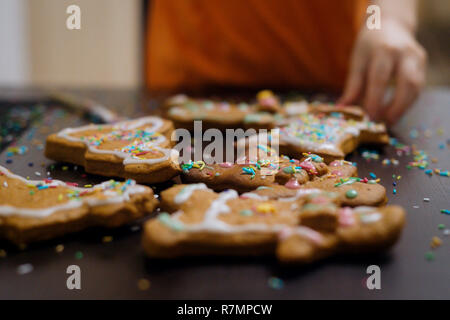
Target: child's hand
(391, 53)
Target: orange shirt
(196, 44)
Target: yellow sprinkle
(435, 242)
(88, 185)
(59, 248)
(378, 180)
(143, 284)
(60, 197)
(265, 208)
(264, 94)
(107, 239)
(399, 177)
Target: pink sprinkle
(292, 184)
(226, 165)
(308, 166)
(72, 184)
(335, 163)
(346, 217)
(319, 200)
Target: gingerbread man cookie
(138, 149)
(302, 229)
(39, 210)
(282, 177)
(296, 107)
(183, 111)
(330, 135)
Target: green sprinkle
(352, 193)
(429, 256)
(246, 212)
(78, 255)
(288, 170)
(441, 226)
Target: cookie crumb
(275, 283)
(3, 253)
(435, 242)
(429, 256)
(143, 284)
(107, 239)
(25, 268)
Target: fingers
(410, 80)
(380, 71)
(355, 79)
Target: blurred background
(38, 50)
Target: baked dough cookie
(302, 229)
(138, 149)
(281, 178)
(39, 210)
(183, 111)
(296, 107)
(331, 135)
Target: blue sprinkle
(373, 175)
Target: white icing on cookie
(178, 99)
(212, 223)
(296, 107)
(323, 134)
(187, 191)
(149, 143)
(113, 196)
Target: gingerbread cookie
(296, 107)
(330, 135)
(138, 149)
(39, 210)
(183, 111)
(282, 177)
(302, 229)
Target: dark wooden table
(111, 270)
